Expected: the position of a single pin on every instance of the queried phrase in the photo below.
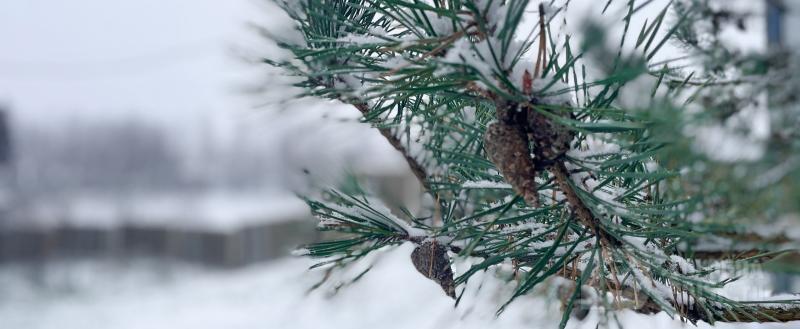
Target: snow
(442, 26)
(375, 210)
(554, 92)
(486, 184)
(683, 265)
(395, 63)
(607, 194)
(475, 55)
(220, 212)
(639, 244)
(360, 39)
(480, 55)
(535, 228)
(381, 207)
(282, 27)
(393, 294)
(301, 252)
(655, 289)
(593, 146)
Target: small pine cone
(507, 147)
(430, 259)
(550, 140)
(510, 113)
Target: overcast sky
(165, 59)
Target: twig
(587, 218)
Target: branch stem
(584, 214)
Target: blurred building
(783, 17)
(121, 188)
(7, 172)
(131, 187)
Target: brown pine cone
(507, 147)
(430, 259)
(550, 139)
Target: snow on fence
(226, 232)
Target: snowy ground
(144, 294)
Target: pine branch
(759, 314)
(693, 312)
(748, 246)
(759, 255)
(442, 71)
(762, 313)
(517, 166)
(640, 303)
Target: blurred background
(149, 179)
(139, 127)
(149, 173)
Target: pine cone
(551, 140)
(507, 147)
(430, 259)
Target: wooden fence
(223, 248)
